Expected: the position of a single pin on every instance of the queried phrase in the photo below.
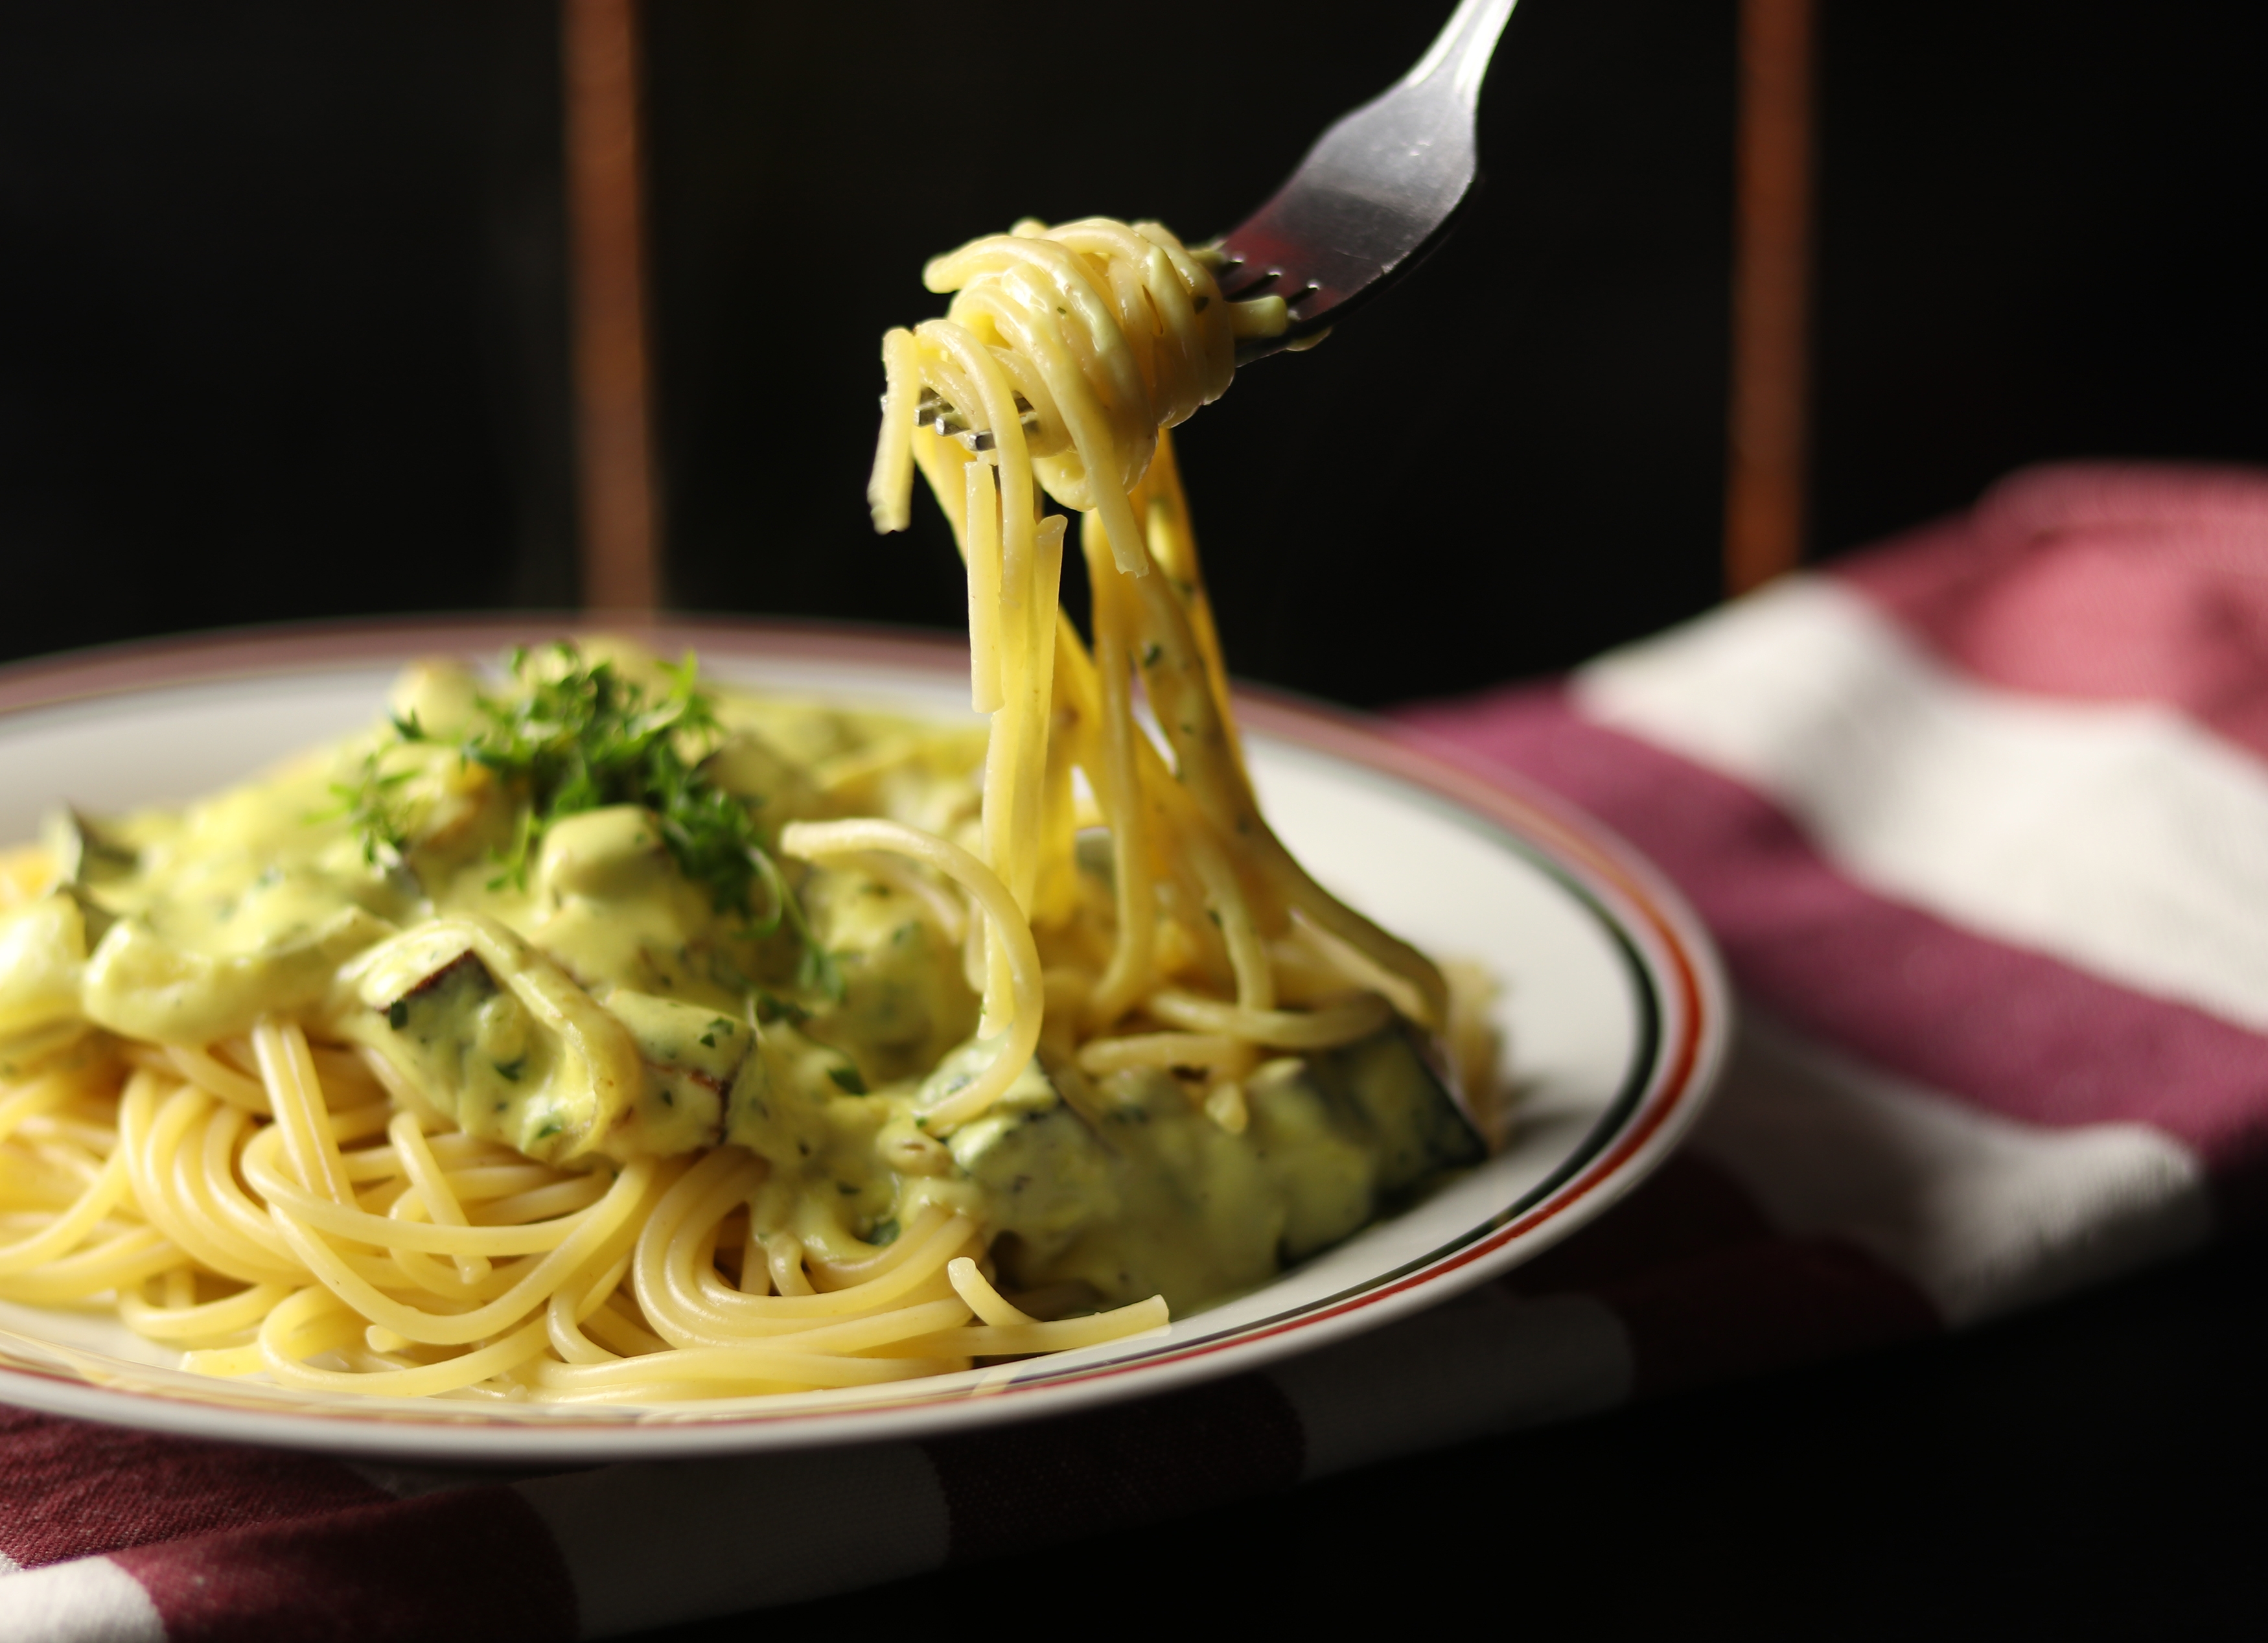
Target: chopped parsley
(368, 804)
(770, 1008)
(589, 737)
(577, 736)
(847, 1080)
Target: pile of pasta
(271, 1207)
(263, 1204)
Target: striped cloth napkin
(1981, 821)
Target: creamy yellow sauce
(600, 1005)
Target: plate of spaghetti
(477, 1042)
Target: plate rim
(1670, 950)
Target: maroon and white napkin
(1981, 821)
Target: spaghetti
(603, 1036)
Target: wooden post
(614, 434)
(1764, 473)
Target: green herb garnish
(589, 737)
(770, 1008)
(368, 805)
(578, 736)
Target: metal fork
(1378, 192)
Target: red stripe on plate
(2002, 1026)
(2099, 583)
(73, 1488)
(477, 1563)
(1014, 1488)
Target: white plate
(1616, 1013)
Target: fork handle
(1375, 193)
(1460, 53)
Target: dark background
(286, 318)
(285, 326)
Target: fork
(1376, 194)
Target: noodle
(483, 1083)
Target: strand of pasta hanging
(1063, 359)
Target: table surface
(2071, 1471)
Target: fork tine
(1241, 276)
(1374, 195)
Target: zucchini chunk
(1131, 1191)
(491, 1033)
(693, 1058)
(1384, 1087)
